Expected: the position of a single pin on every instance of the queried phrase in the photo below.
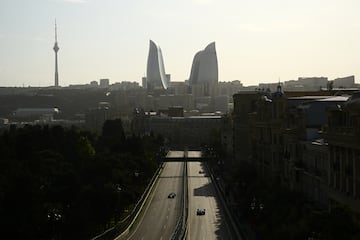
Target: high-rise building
(104, 83)
(205, 66)
(56, 49)
(143, 82)
(156, 78)
(345, 82)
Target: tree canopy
(68, 182)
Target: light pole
(54, 217)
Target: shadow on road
(205, 190)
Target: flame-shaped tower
(205, 66)
(155, 74)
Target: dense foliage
(70, 183)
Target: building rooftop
(334, 99)
(309, 97)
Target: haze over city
(256, 41)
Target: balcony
(336, 166)
(299, 165)
(341, 131)
(349, 170)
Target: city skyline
(257, 42)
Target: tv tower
(56, 49)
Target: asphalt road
(202, 195)
(158, 221)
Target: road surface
(160, 215)
(202, 194)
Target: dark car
(171, 195)
(200, 211)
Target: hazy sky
(256, 40)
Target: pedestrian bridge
(187, 155)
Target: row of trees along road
(67, 183)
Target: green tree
(113, 136)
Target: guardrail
(181, 225)
(121, 229)
(186, 199)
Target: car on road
(201, 171)
(172, 195)
(200, 211)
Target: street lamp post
(54, 217)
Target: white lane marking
(164, 226)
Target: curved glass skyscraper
(155, 74)
(205, 66)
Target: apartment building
(308, 143)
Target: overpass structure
(186, 155)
